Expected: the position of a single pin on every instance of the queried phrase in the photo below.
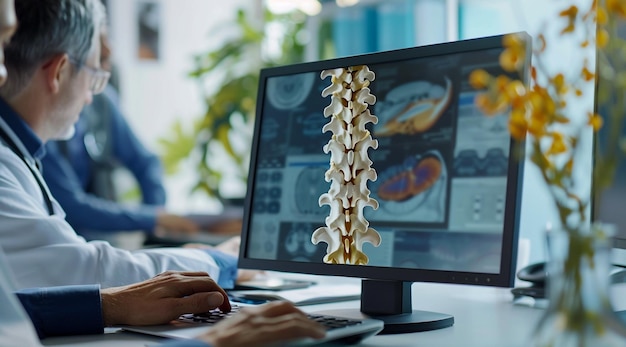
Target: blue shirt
(68, 170)
(228, 268)
(66, 310)
(29, 139)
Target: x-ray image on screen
(287, 92)
(265, 238)
(414, 190)
(305, 175)
(295, 243)
(269, 192)
(309, 185)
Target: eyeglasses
(99, 77)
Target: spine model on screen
(350, 169)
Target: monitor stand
(390, 301)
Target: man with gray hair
(53, 72)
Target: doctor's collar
(27, 136)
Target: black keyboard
(214, 316)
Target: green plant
(219, 141)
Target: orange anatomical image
(414, 180)
(413, 189)
(413, 108)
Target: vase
(579, 312)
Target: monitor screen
(607, 202)
(446, 181)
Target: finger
(274, 309)
(189, 226)
(288, 327)
(181, 286)
(198, 303)
(185, 273)
(203, 285)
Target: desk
(484, 317)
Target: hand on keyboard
(263, 325)
(215, 316)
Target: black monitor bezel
(505, 278)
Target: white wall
(155, 93)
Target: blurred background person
(81, 171)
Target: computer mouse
(535, 273)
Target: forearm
(93, 213)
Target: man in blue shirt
(79, 175)
(79, 171)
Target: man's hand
(162, 299)
(263, 325)
(167, 222)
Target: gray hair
(47, 28)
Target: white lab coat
(44, 250)
(16, 329)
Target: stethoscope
(9, 141)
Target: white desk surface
(484, 317)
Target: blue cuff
(66, 310)
(228, 268)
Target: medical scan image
(420, 181)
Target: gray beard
(67, 134)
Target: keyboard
(214, 316)
(343, 330)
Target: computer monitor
(607, 202)
(448, 178)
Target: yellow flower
(536, 100)
(515, 89)
(479, 79)
(617, 7)
(559, 118)
(536, 127)
(513, 56)
(595, 120)
(489, 104)
(558, 144)
(587, 75)
(509, 60)
(602, 38)
(601, 16)
(518, 125)
(571, 13)
(559, 84)
(569, 167)
(514, 42)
